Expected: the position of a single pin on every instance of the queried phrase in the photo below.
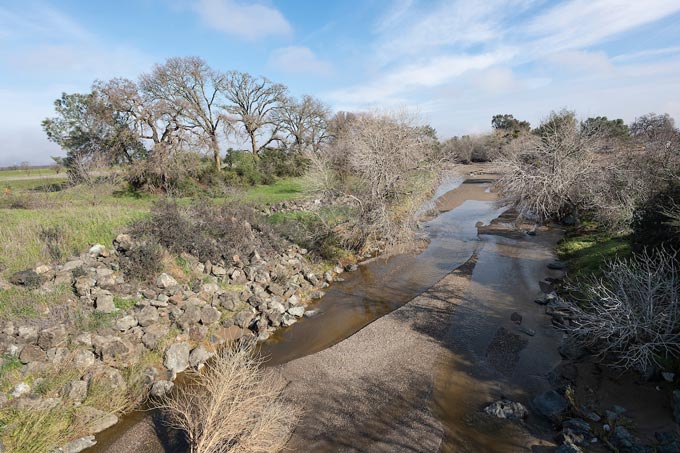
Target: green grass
(586, 248)
(124, 303)
(282, 190)
(38, 184)
(31, 172)
(21, 303)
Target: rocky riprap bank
(182, 324)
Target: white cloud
(394, 86)
(577, 61)
(299, 59)
(39, 21)
(249, 21)
(394, 15)
(579, 23)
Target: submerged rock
(507, 409)
(551, 405)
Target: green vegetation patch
(586, 248)
(281, 190)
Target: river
(406, 351)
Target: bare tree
(254, 103)
(234, 405)
(549, 172)
(376, 159)
(305, 122)
(188, 83)
(632, 313)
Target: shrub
(657, 222)
(234, 405)
(632, 313)
(142, 262)
(205, 230)
(53, 237)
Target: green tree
(615, 129)
(509, 125)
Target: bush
(657, 222)
(632, 314)
(234, 405)
(205, 230)
(142, 262)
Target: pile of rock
(224, 301)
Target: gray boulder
(199, 355)
(244, 318)
(52, 337)
(147, 316)
(210, 315)
(297, 311)
(95, 420)
(177, 357)
(104, 302)
(32, 353)
(75, 391)
(551, 405)
(165, 281)
(20, 389)
(28, 278)
(126, 323)
(161, 388)
(78, 445)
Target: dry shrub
(142, 262)
(205, 230)
(234, 405)
(632, 313)
(549, 172)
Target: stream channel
(404, 354)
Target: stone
(294, 300)
(244, 318)
(104, 302)
(218, 271)
(153, 334)
(210, 315)
(668, 376)
(316, 295)
(177, 357)
(312, 278)
(75, 391)
(52, 337)
(19, 390)
(516, 317)
(161, 388)
(298, 311)
(507, 409)
(97, 250)
(621, 438)
(84, 284)
(275, 289)
(288, 320)
(210, 288)
(123, 242)
(568, 448)
(126, 323)
(78, 445)
(198, 356)
(351, 268)
(147, 316)
(551, 405)
(114, 350)
(57, 355)
(32, 353)
(95, 420)
(526, 330)
(28, 279)
(570, 349)
(106, 377)
(83, 359)
(277, 307)
(42, 269)
(311, 313)
(28, 334)
(72, 265)
(165, 281)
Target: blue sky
(455, 62)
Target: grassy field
(42, 226)
(33, 172)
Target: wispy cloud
(248, 21)
(300, 60)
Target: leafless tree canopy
(632, 313)
(549, 172)
(305, 122)
(254, 103)
(234, 405)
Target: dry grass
(234, 405)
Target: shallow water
(505, 273)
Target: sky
(455, 62)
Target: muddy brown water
(506, 274)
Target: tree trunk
(215, 146)
(253, 143)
